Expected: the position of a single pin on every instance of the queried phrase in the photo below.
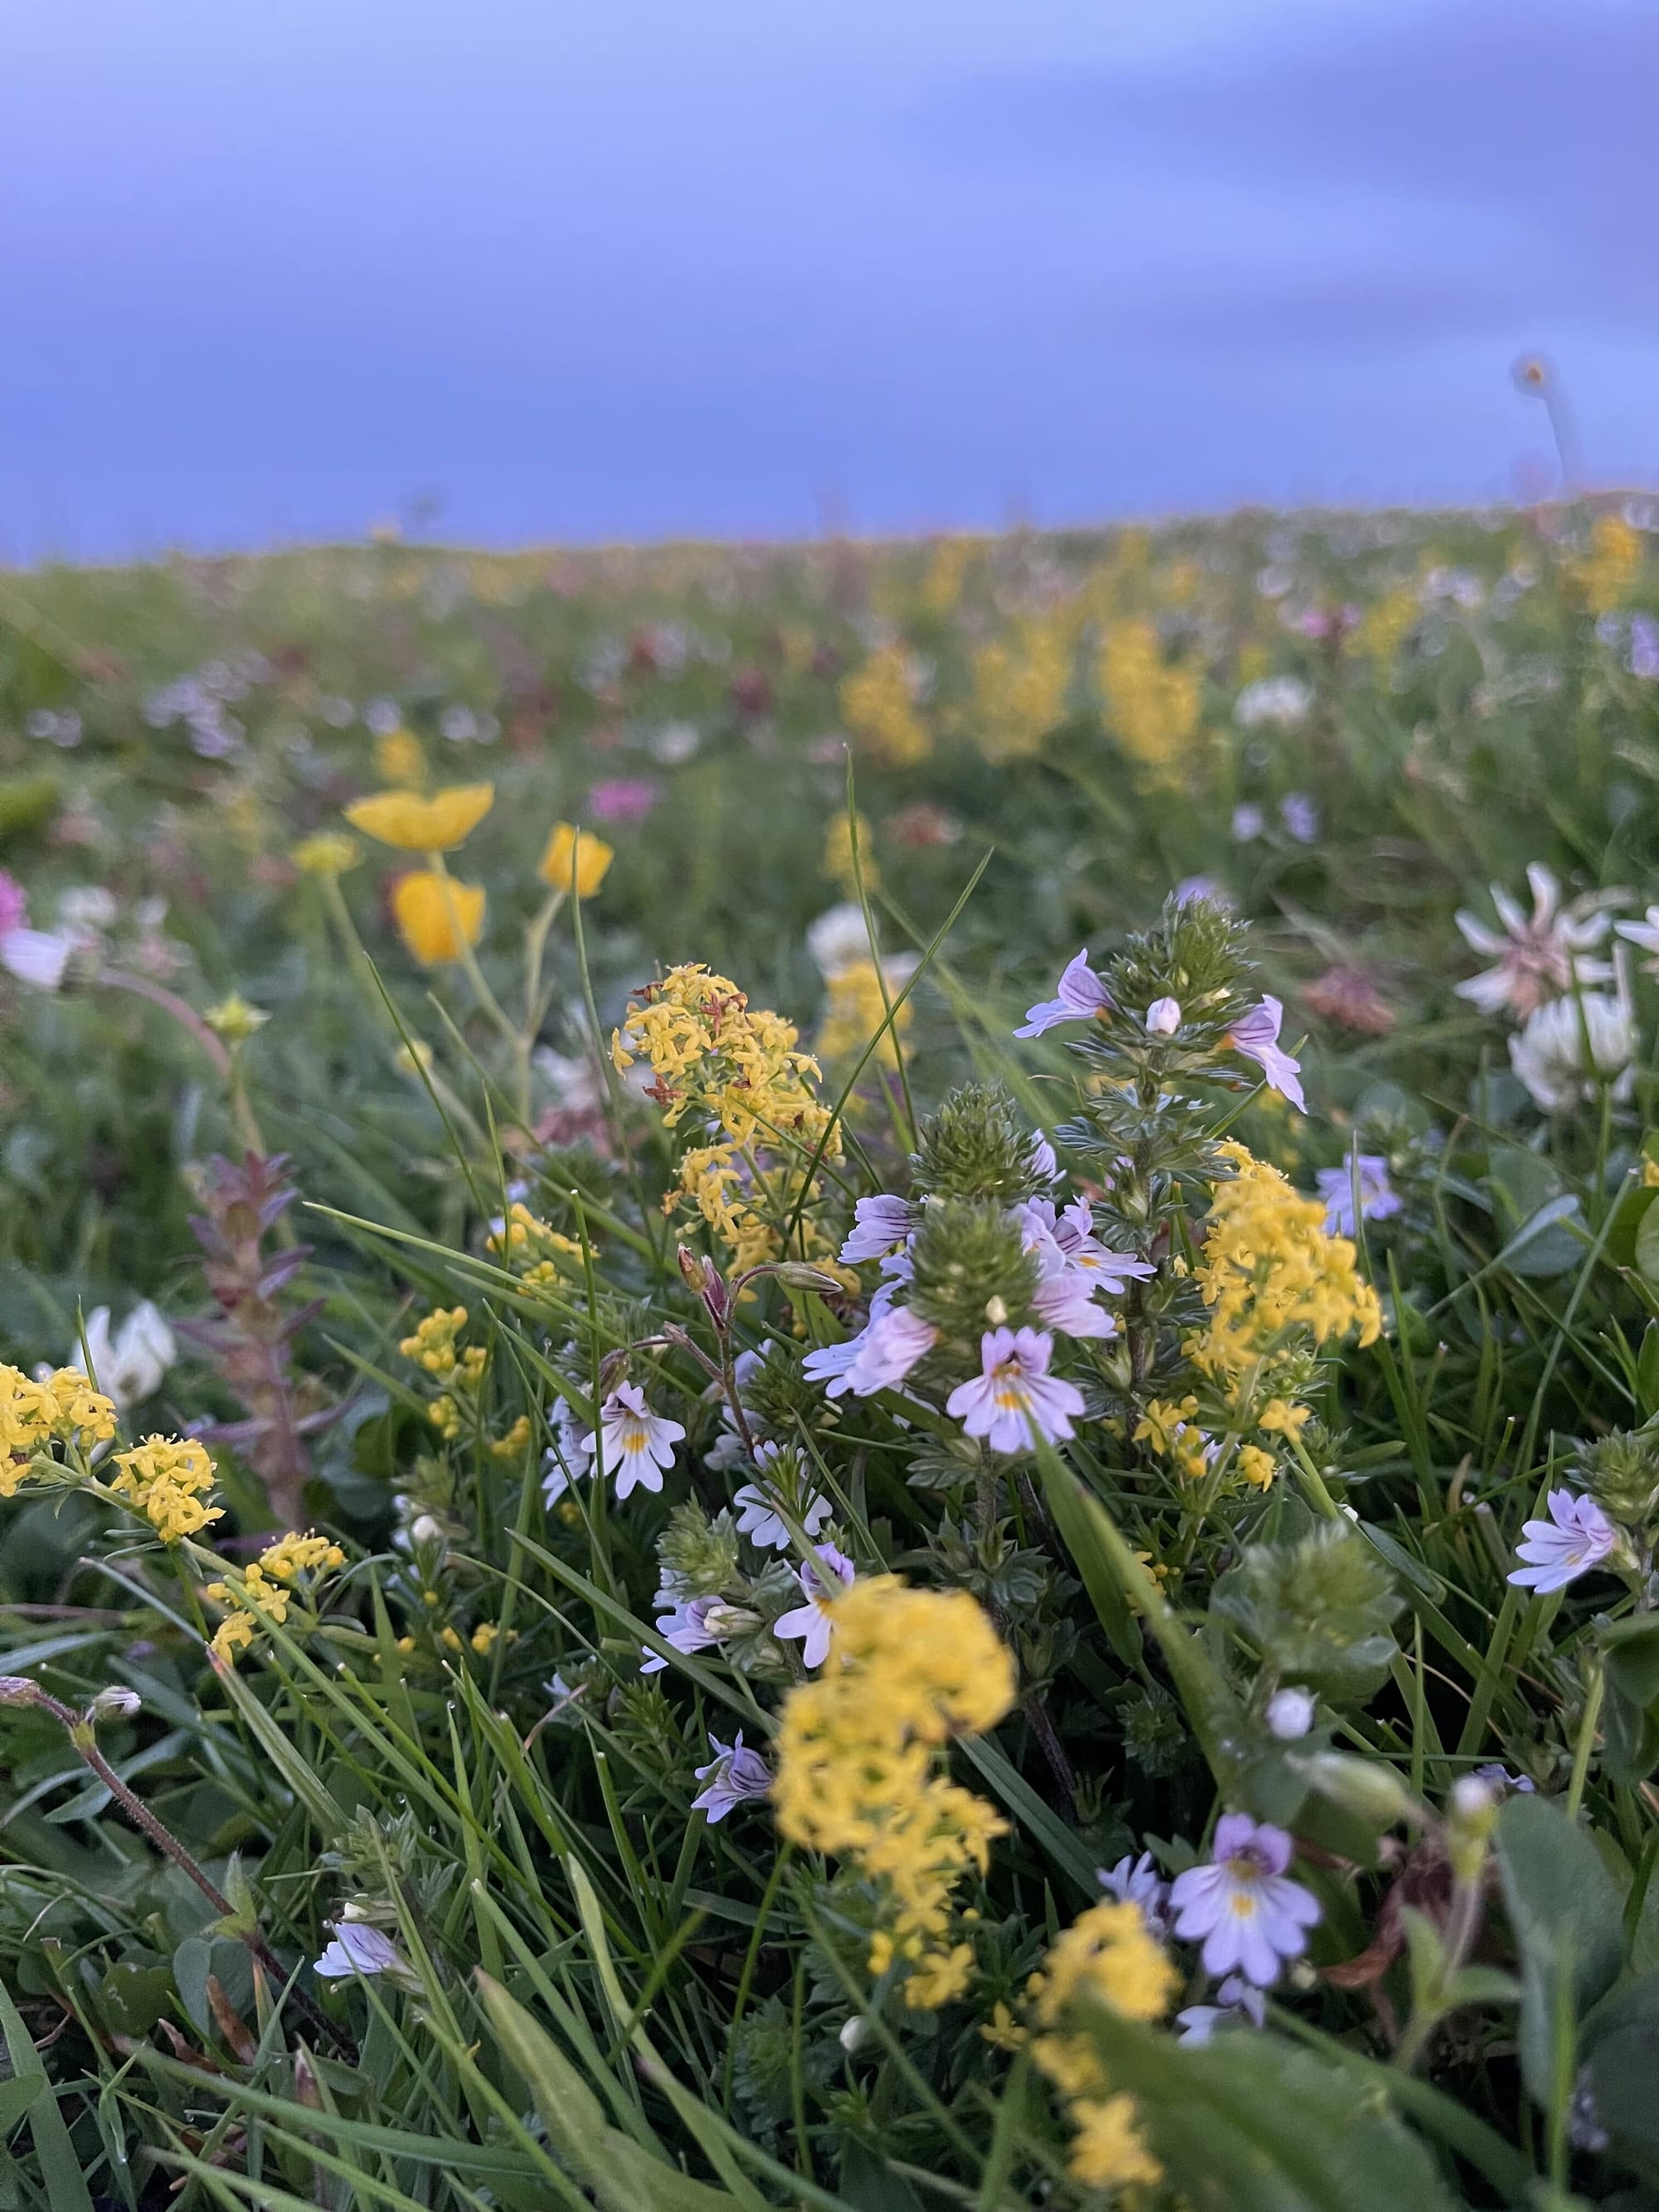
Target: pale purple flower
(1069, 1239)
(637, 1444)
(569, 1458)
(1207, 888)
(357, 1949)
(1014, 1390)
(1163, 1017)
(1081, 995)
(1577, 1537)
(1249, 1914)
(1066, 1301)
(622, 798)
(1136, 1882)
(889, 1348)
(36, 956)
(823, 1579)
(686, 1627)
(1044, 1165)
(1644, 648)
(734, 1775)
(1300, 817)
(830, 1364)
(1249, 822)
(1539, 957)
(1378, 1198)
(1499, 1777)
(1236, 2005)
(1256, 1035)
(1644, 934)
(760, 1520)
(879, 1223)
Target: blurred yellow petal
(570, 848)
(416, 825)
(437, 918)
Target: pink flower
(1250, 1915)
(622, 798)
(1081, 996)
(1256, 1035)
(1577, 1537)
(14, 903)
(1015, 1389)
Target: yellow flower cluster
(456, 1366)
(166, 1479)
(532, 1247)
(267, 1590)
(1274, 1282)
(1170, 1429)
(62, 1408)
(738, 1070)
(856, 1010)
(1152, 706)
(877, 704)
(1106, 1956)
(1611, 566)
(1019, 689)
(857, 1756)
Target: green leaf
(1644, 1242)
(1566, 1911)
(60, 2169)
(1069, 1502)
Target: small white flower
(764, 1525)
(1290, 1714)
(1280, 701)
(637, 1444)
(838, 940)
(1163, 1017)
(129, 1363)
(1549, 1055)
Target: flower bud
(853, 2032)
(1290, 1714)
(1163, 1017)
(18, 1690)
(116, 1703)
(976, 1146)
(1369, 1789)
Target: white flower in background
(1281, 701)
(1539, 957)
(1570, 1048)
(838, 940)
(1249, 822)
(86, 909)
(1645, 935)
(1290, 1714)
(129, 1363)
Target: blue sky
(274, 268)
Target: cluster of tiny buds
(115, 1704)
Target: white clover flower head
(1570, 1048)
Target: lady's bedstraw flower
(165, 1479)
(1577, 1537)
(1014, 1391)
(414, 824)
(733, 1777)
(857, 1765)
(267, 1589)
(1108, 1956)
(1539, 957)
(575, 858)
(1248, 1914)
(438, 918)
(36, 1412)
(1081, 995)
(636, 1446)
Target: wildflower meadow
(831, 1374)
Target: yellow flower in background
(1151, 704)
(330, 852)
(437, 918)
(417, 824)
(877, 704)
(1020, 684)
(1110, 1957)
(234, 1019)
(856, 1010)
(400, 760)
(569, 848)
(838, 854)
(1612, 564)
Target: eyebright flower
(889, 1348)
(437, 917)
(358, 1949)
(1643, 935)
(1540, 957)
(1577, 1537)
(1250, 1915)
(1013, 1390)
(1068, 1239)
(733, 1775)
(1136, 1882)
(1080, 997)
(879, 1226)
(685, 1626)
(760, 1520)
(414, 824)
(573, 853)
(1378, 1199)
(1256, 1036)
(1236, 2005)
(637, 1444)
(823, 1579)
